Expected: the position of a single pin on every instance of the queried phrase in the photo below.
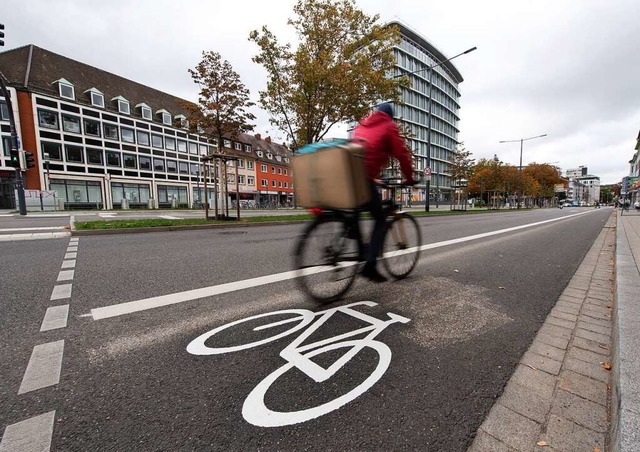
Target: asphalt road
(144, 381)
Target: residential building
(103, 141)
(439, 142)
(583, 187)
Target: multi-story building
(99, 138)
(583, 187)
(415, 53)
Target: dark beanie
(386, 108)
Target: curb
(557, 397)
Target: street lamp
(521, 140)
(46, 162)
(429, 115)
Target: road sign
(427, 174)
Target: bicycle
(299, 354)
(330, 251)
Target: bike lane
(132, 383)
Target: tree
(223, 100)
(336, 74)
(461, 165)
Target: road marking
(74, 239)
(34, 236)
(31, 435)
(72, 249)
(55, 317)
(61, 291)
(65, 275)
(44, 367)
(69, 264)
(169, 217)
(180, 297)
(71, 255)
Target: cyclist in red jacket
(382, 141)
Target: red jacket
(382, 141)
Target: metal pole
(206, 195)
(520, 191)
(428, 181)
(237, 192)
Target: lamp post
(521, 140)
(46, 162)
(430, 77)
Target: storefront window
(73, 191)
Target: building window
(124, 107)
(279, 170)
(241, 179)
(195, 168)
(226, 143)
(172, 166)
(273, 183)
(158, 164)
(145, 112)
(94, 156)
(143, 138)
(53, 149)
(238, 146)
(110, 131)
(249, 164)
(129, 161)
(127, 135)
(4, 110)
(264, 183)
(193, 148)
(66, 91)
(166, 119)
(251, 180)
(263, 168)
(273, 170)
(203, 149)
(156, 141)
(6, 146)
(184, 168)
(182, 146)
(145, 163)
(240, 163)
(113, 158)
(74, 154)
(71, 124)
(91, 128)
(170, 143)
(286, 185)
(48, 119)
(247, 148)
(97, 99)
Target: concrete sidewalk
(577, 387)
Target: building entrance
(7, 190)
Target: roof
(433, 50)
(35, 69)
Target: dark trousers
(377, 237)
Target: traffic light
(29, 160)
(1, 35)
(15, 158)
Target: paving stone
(596, 316)
(554, 341)
(585, 355)
(555, 330)
(547, 350)
(564, 315)
(511, 428)
(590, 345)
(578, 293)
(581, 411)
(565, 435)
(550, 366)
(593, 370)
(537, 380)
(600, 338)
(585, 387)
(487, 443)
(576, 301)
(560, 322)
(569, 308)
(594, 328)
(590, 309)
(599, 322)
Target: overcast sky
(567, 68)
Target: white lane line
(71, 255)
(61, 291)
(44, 367)
(74, 239)
(169, 217)
(55, 317)
(180, 297)
(65, 275)
(31, 435)
(34, 236)
(69, 264)
(72, 249)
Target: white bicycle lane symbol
(298, 356)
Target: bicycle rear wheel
(402, 243)
(326, 258)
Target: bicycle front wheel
(402, 243)
(326, 259)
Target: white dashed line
(72, 248)
(30, 435)
(55, 317)
(69, 264)
(65, 275)
(61, 291)
(44, 367)
(71, 255)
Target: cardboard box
(331, 178)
